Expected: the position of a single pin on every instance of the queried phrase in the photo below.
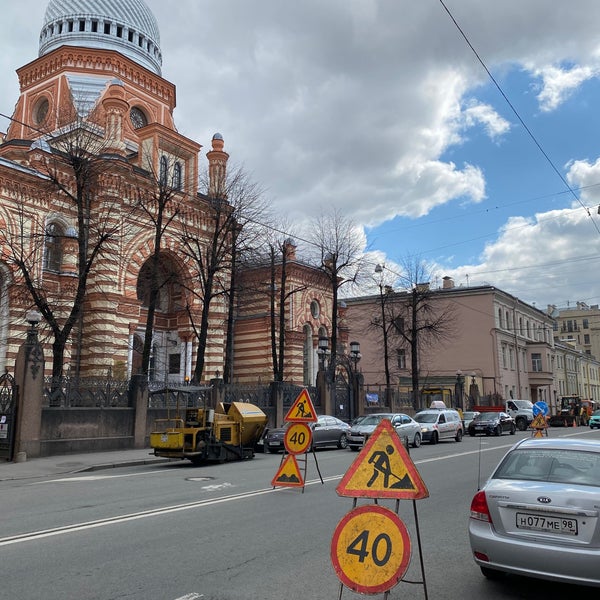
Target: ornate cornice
(95, 61)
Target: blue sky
(380, 109)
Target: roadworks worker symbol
(302, 411)
(288, 474)
(539, 422)
(383, 469)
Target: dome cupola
(126, 26)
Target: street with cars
(173, 530)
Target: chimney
(448, 283)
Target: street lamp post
(323, 352)
(355, 356)
(460, 389)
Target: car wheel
(513, 429)
(498, 430)
(472, 433)
(417, 440)
(458, 437)
(342, 442)
(354, 448)
(492, 573)
(521, 424)
(434, 438)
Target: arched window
(53, 247)
(177, 176)
(163, 170)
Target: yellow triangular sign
(288, 474)
(302, 411)
(383, 469)
(539, 422)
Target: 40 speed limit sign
(370, 549)
(298, 438)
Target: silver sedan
(538, 515)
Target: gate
(8, 415)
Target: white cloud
(558, 84)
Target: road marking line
(85, 478)
(192, 596)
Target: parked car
(492, 423)
(406, 427)
(468, 416)
(326, 431)
(440, 424)
(595, 420)
(537, 515)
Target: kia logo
(544, 499)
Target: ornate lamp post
(323, 352)
(355, 356)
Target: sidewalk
(76, 463)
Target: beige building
(578, 325)
(496, 346)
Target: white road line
(84, 478)
(192, 596)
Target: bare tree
(160, 206)
(419, 317)
(234, 207)
(339, 249)
(81, 187)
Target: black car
(492, 423)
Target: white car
(406, 427)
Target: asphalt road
(221, 532)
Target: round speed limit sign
(370, 549)
(298, 438)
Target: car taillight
(479, 508)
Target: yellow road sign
(288, 474)
(383, 469)
(370, 549)
(298, 438)
(302, 411)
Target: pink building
(493, 346)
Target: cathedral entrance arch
(170, 353)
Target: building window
(500, 320)
(401, 358)
(315, 309)
(177, 176)
(174, 364)
(163, 170)
(586, 324)
(586, 338)
(504, 360)
(53, 247)
(536, 362)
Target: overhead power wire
(518, 116)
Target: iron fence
(80, 392)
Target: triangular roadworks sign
(302, 411)
(383, 469)
(288, 474)
(539, 422)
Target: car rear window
(551, 465)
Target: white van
(440, 424)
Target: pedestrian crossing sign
(302, 411)
(288, 474)
(383, 469)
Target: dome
(126, 26)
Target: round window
(138, 118)
(40, 112)
(315, 309)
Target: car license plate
(275, 443)
(547, 524)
